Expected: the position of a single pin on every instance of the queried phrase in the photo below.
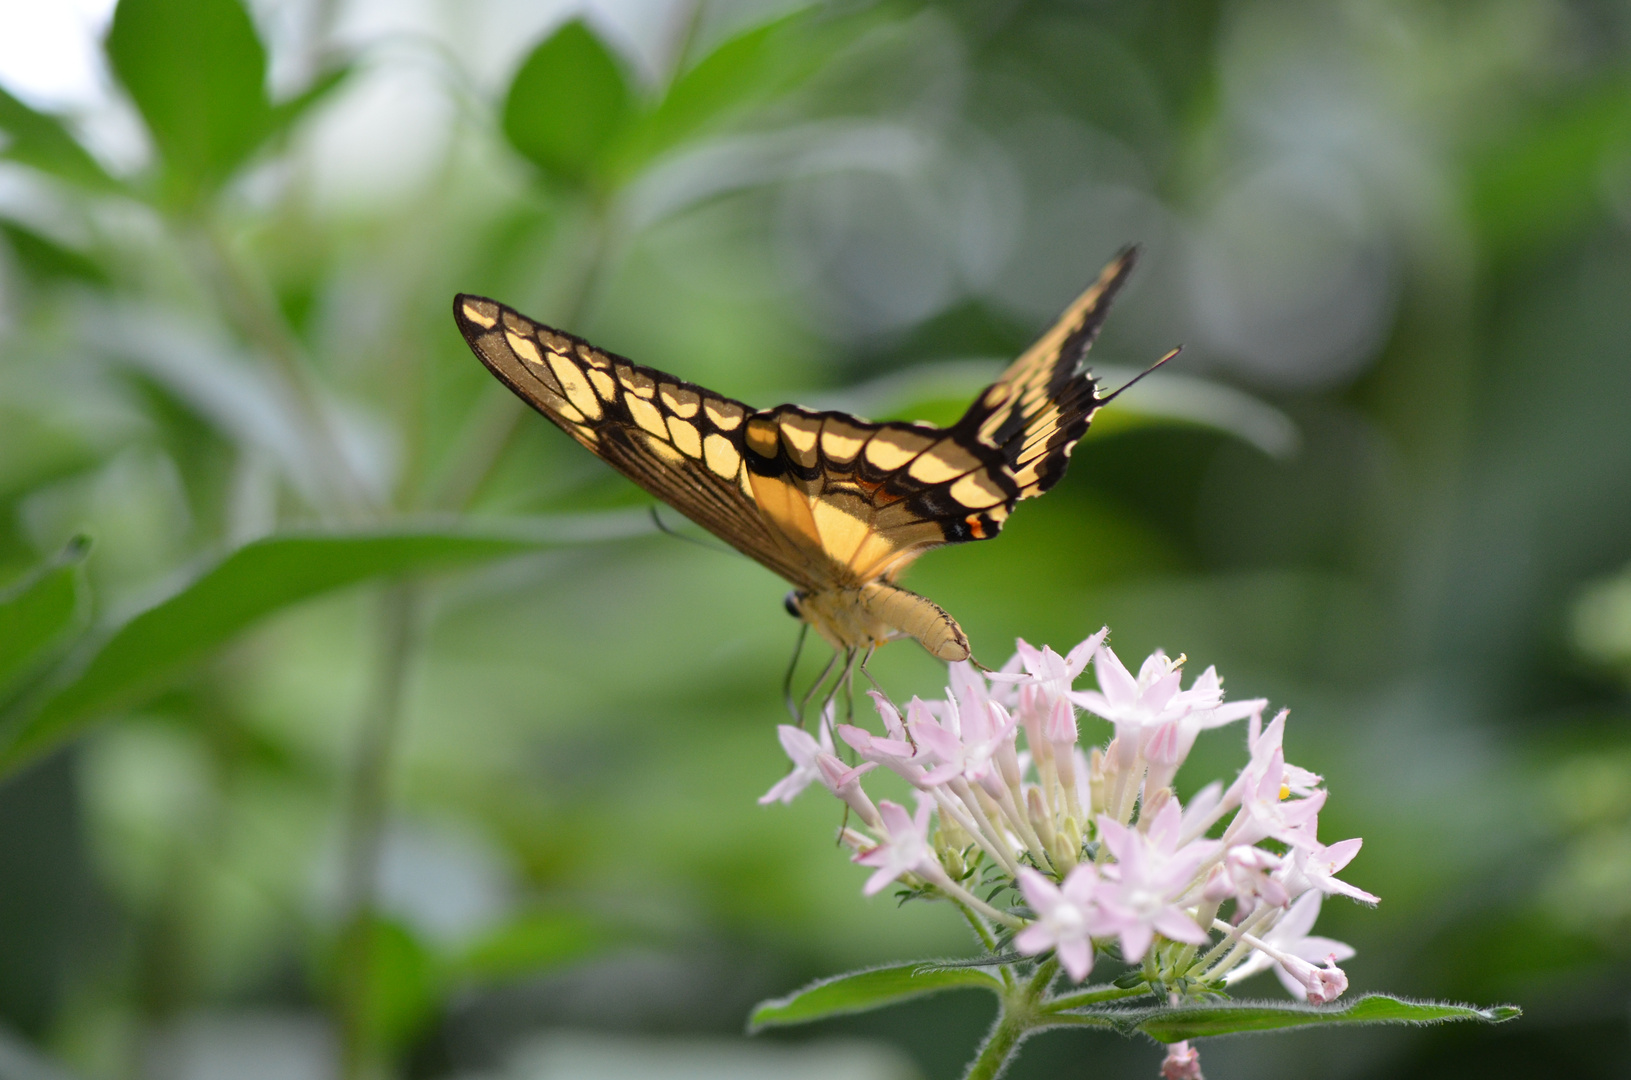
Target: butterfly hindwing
(1039, 409)
(868, 498)
(680, 442)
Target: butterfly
(835, 504)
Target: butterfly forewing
(677, 440)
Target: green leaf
(286, 114)
(567, 104)
(1544, 183)
(140, 656)
(45, 260)
(535, 941)
(862, 991)
(403, 979)
(743, 69)
(196, 71)
(40, 141)
(1197, 1021)
(40, 613)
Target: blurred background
(359, 724)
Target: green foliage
(862, 991)
(567, 104)
(140, 655)
(40, 612)
(876, 988)
(535, 941)
(40, 140)
(46, 261)
(1239, 1017)
(196, 71)
(740, 72)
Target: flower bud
(1183, 1062)
(1323, 984)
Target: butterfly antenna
(1134, 380)
(657, 520)
(792, 669)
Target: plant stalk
(369, 795)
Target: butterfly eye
(791, 603)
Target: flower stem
(1093, 995)
(1017, 1015)
(365, 826)
(999, 1047)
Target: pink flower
(1292, 953)
(803, 748)
(1151, 872)
(845, 782)
(1314, 866)
(1133, 703)
(1047, 677)
(895, 752)
(965, 745)
(1064, 917)
(1321, 985)
(905, 847)
(1263, 789)
(1244, 874)
(1168, 742)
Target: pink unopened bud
(1183, 1062)
(1323, 984)
(1060, 726)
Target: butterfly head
(794, 602)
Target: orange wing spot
(976, 527)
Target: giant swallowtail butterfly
(836, 505)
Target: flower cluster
(1094, 848)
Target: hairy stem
(999, 1048)
(1017, 1016)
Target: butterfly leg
(821, 681)
(792, 669)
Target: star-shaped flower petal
(905, 847)
(1064, 917)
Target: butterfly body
(837, 505)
